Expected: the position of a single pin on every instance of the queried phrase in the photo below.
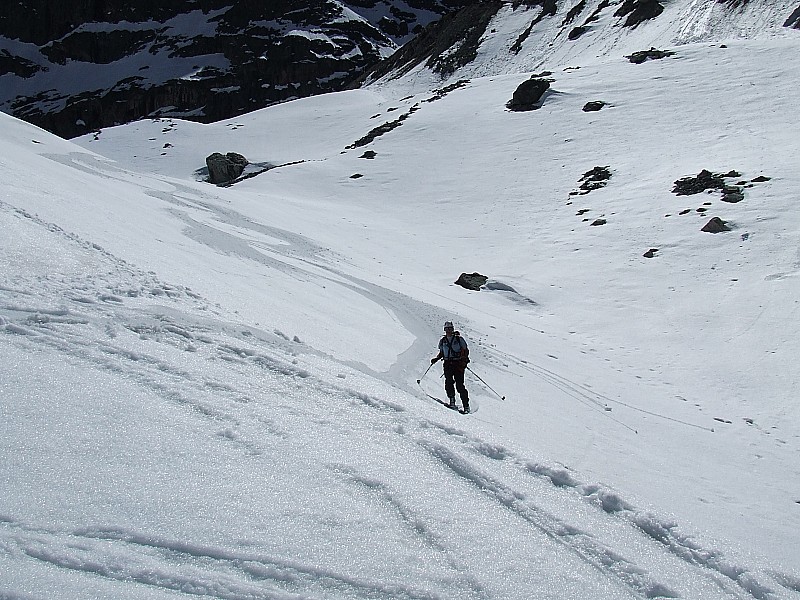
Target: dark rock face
(638, 11)
(224, 168)
(462, 29)
(472, 281)
(576, 32)
(199, 59)
(794, 19)
(528, 96)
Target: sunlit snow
(212, 391)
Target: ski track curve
(103, 321)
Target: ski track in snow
(105, 319)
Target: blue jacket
(453, 348)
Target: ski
(447, 404)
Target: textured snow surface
(213, 391)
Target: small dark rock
(732, 173)
(715, 225)
(370, 154)
(638, 58)
(528, 95)
(760, 179)
(472, 281)
(598, 222)
(593, 106)
(732, 194)
(356, 176)
(650, 253)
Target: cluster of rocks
(706, 181)
(593, 179)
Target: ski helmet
(448, 325)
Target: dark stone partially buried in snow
(224, 168)
(716, 225)
(593, 106)
(472, 281)
(528, 96)
(594, 179)
(638, 58)
(732, 194)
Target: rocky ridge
(73, 68)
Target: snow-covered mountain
(227, 392)
(75, 67)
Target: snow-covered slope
(518, 37)
(213, 391)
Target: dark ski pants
(454, 380)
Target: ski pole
(486, 384)
(425, 373)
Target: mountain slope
(506, 37)
(79, 67)
(213, 390)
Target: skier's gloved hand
(434, 360)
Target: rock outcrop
(204, 60)
(528, 96)
(472, 281)
(224, 168)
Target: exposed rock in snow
(473, 281)
(225, 168)
(715, 225)
(528, 95)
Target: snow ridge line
(162, 563)
(412, 521)
(604, 559)
(664, 532)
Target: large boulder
(528, 96)
(472, 281)
(224, 168)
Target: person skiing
(455, 352)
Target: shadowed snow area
(213, 391)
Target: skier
(453, 349)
